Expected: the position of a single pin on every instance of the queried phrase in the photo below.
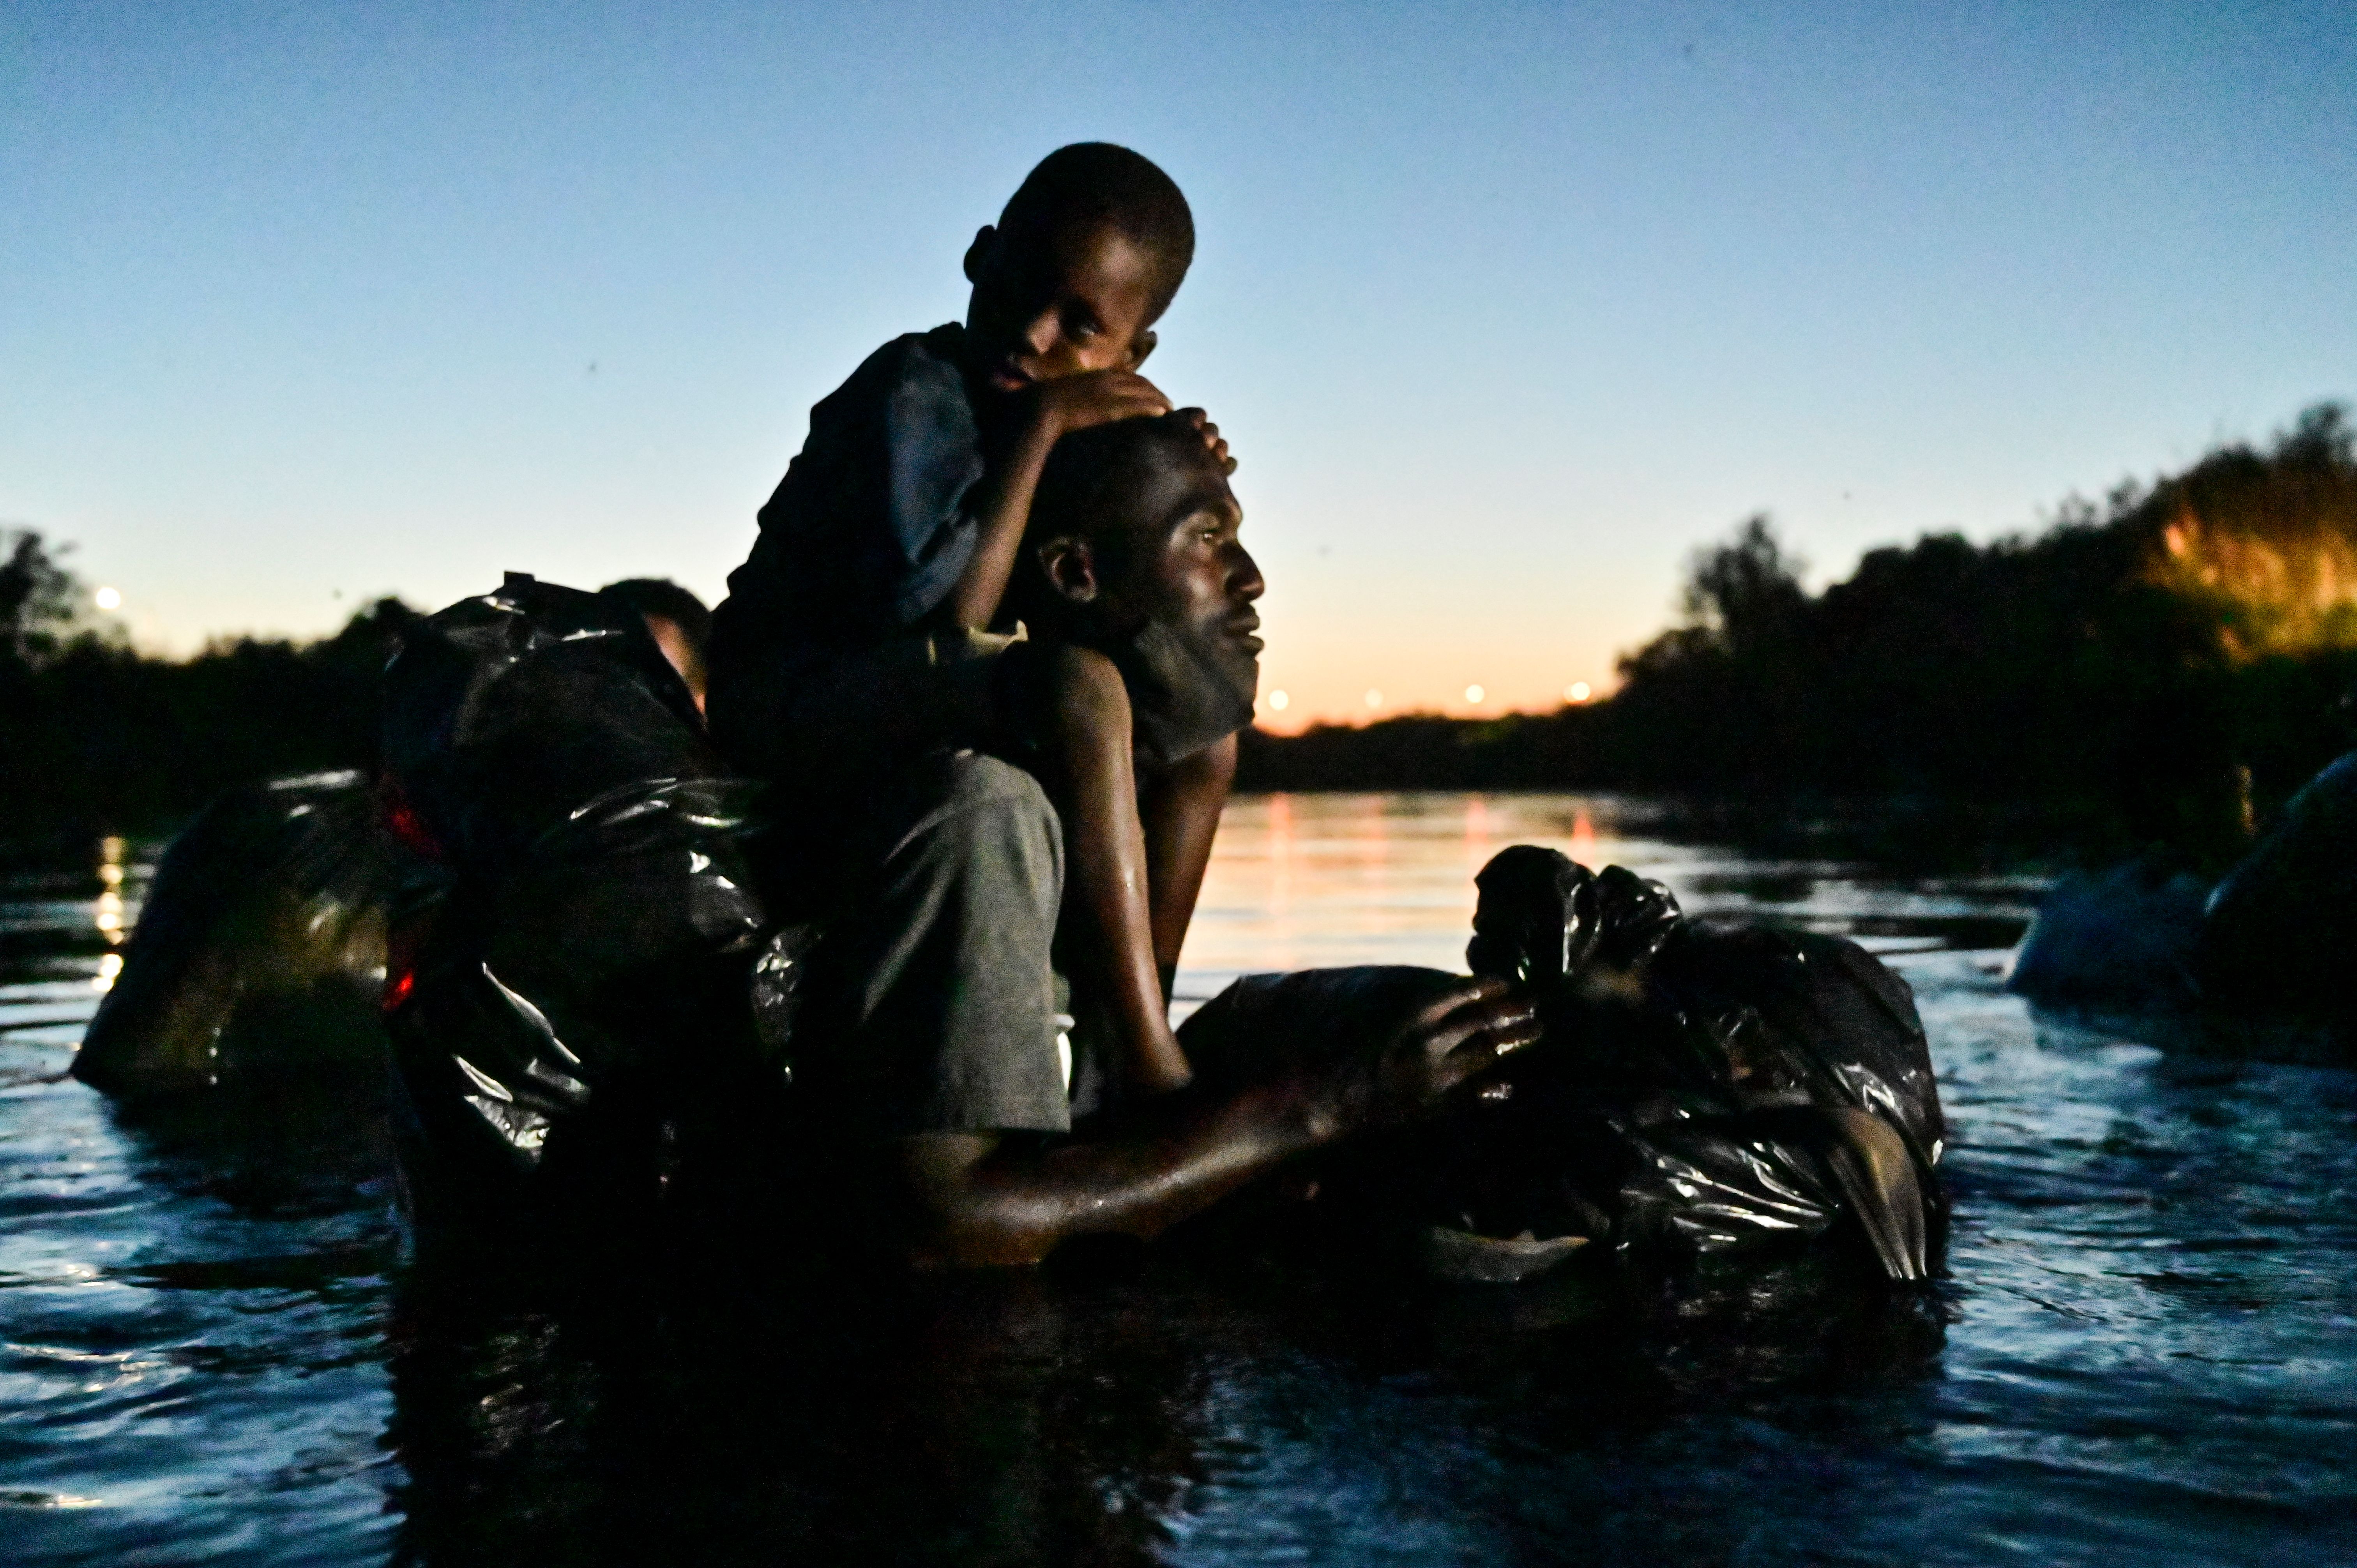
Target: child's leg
(1086, 765)
(1179, 807)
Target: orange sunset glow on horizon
(1316, 692)
(1505, 312)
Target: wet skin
(1172, 556)
(1058, 323)
(975, 1199)
(1171, 553)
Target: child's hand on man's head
(1095, 397)
(1217, 443)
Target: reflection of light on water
(107, 914)
(1280, 851)
(1364, 836)
(1307, 881)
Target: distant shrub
(2161, 668)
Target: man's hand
(1095, 397)
(966, 1200)
(1211, 438)
(1456, 1036)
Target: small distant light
(1474, 693)
(1576, 692)
(1279, 701)
(108, 600)
(109, 966)
(1374, 698)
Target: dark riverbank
(2162, 668)
(100, 739)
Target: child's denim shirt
(871, 527)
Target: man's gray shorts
(934, 1004)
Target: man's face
(1182, 565)
(1076, 301)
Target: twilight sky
(1505, 307)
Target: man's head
(1080, 266)
(1133, 550)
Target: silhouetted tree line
(94, 736)
(2165, 667)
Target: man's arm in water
(1180, 808)
(977, 1199)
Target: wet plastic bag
(598, 963)
(260, 946)
(1699, 1090)
(2276, 939)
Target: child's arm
(1181, 808)
(1057, 408)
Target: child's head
(1084, 259)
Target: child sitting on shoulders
(866, 628)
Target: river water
(2143, 1348)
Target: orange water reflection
(108, 913)
(1307, 881)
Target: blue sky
(1505, 307)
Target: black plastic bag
(1698, 1090)
(260, 947)
(2275, 940)
(597, 969)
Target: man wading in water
(931, 1065)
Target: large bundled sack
(260, 947)
(2272, 956)
(597, 968)
(2121, 942)
(2254, 966)
(1698, 1090)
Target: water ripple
(2145, 1349)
